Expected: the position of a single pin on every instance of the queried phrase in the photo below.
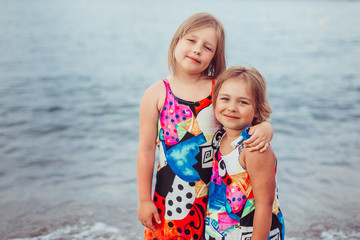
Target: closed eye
(244, 102)
(208, 48)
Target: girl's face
(195, 50)
(234, 105)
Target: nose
(197, 50)
(231, 106)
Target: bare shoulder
(155, 89)
(256, 159)
(155, 94)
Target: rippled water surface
(72, 74)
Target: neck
(186, 78)
(233, 134)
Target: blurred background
(72, 74)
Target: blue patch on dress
(181, 158)
(217, 196)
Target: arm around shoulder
(262, 134)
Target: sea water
(72, 74)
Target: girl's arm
(261, 136)
(261, 169)
(148, 117)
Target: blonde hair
(199, 20)
(257, 85)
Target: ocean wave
(332, 234)
(98, 231)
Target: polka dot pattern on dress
(236, 198)
(172, 114)
(179, 203)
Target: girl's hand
(146, 212)
(261, 137)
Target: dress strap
(168, 94)
(243, 136)
(167, 84)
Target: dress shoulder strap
(167, 84)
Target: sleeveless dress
(186, 150)
(231, 206)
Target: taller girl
(177, 116)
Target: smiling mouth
(194, 59)
(231, 117)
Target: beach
(72, 74)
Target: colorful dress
(185, 142)
(231, 206)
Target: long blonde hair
(257, 86)
(199, 20)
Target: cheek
(209, 57)
(217, 107)
(178, 48)
(255, 112)
(218, 112)
(176, 51)
(251, 113)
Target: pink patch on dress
(235, 198)
(215, 177)
(172, 114)
(225, 221)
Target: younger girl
(177, 116)
(242, 194)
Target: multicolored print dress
(186, 150)
(231, 205)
